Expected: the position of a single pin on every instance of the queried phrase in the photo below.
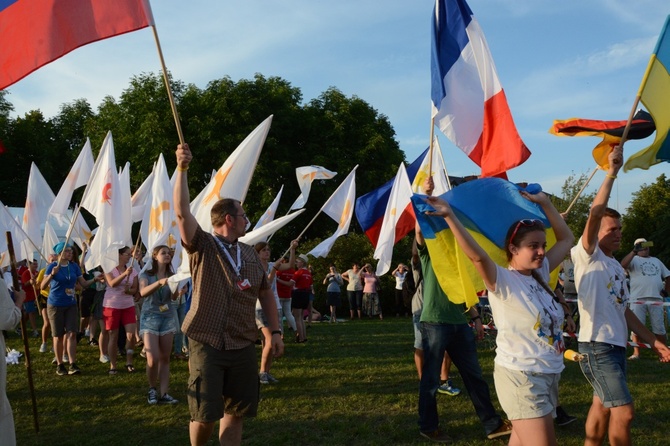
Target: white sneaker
(43, 347)
(104, 359)
(65, 358)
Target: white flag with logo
(159, 225)
(306, 175)
(339, 207)
(438, 172)
(39, 198)
(400, 198)
(233, 178)
(105, 200)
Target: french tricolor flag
(469, 104)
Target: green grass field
(353, 383)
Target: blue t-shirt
(62, 284)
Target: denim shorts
(157, 324)
(30, 307)
(605, 369)
(525, 395)
(416, 320)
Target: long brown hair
(154, 264)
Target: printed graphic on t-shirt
(547, 325)
(649, 269)
(616, 288)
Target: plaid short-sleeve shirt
(222, 315)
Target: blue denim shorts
(158, 324)
(30, 307)
(605, 369)
(416, 320)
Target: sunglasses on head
(527, 222)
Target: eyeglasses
(527, 223)
(242, 215)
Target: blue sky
(555, 60)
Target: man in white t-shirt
(605, 318)
(648, 276)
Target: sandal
(113, 371)
(130, 368)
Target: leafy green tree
(579, 213)
(648, 216)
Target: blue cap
(58, 248)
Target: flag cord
(173, 105)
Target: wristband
(607, 175)
(274, 332)
(182, 169)
(472, 319)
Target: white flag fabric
(79, 174)
(159, 225)
(19, 236)
(401, 194)
(50, 239)
(438, 172)
(138, 200)
(339, 207)
(39, 199)
(306, 175)
(261, 234)
(269, 214)
(233, 178)
(105, 200)
(81, 233)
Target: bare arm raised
(185, 220)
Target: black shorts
(86, 302)
(300, 299)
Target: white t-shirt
(273, 287)
(529, 322)
(603, 296)
(399, 279)
(646, 277)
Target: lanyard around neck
(237, 266)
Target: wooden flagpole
(24, 330)
(574, 200)
(173, 105)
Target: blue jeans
(459, 341)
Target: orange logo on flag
(107, 193)
(219, 179)
(155, 214)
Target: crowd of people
(236, 291)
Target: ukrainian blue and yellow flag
(655, 95)
(487, 207)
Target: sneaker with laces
(104, 359)
(152, 398)
(167, 399)
(447, 388)
(633, 357)
(43, 347)
(436, 436)
(272, 379)
(73, 370)
(60, 370)
(36, 334)
(562, 417)
(263, 377)
(504, 429)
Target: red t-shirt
(284, 291)
(303, 279)
(28, 288)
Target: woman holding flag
(528, 316)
